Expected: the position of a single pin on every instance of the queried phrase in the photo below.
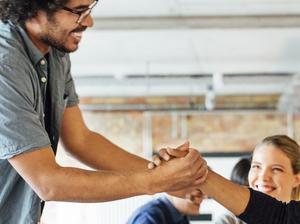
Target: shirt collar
(33, 52)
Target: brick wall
(124, 129)
(208, 132)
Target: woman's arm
(251, 206)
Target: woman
(252, 206)
(275, 168)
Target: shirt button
(43, 62)
(43, 79)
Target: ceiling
(152, 8)
(190, 48)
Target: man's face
(61, 29)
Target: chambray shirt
(25, 75)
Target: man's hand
(180, 173)
(169, 153)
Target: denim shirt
(25, 74)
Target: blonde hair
(292, 150)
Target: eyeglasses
(82, 13)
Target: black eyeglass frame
(82, 14)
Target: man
(39, 104)
(167, 209)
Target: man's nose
(88, 21)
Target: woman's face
(271, 173)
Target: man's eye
(79, 11)
(277, 170)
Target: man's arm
(53, 182)
(94, 149)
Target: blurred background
(152, 73)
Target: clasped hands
(190, 169)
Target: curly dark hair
(18, 11)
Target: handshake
(176, 170)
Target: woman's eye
(255, 166)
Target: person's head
(239, 173)
(52, 23)
(275, 168)
(189, 205)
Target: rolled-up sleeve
(70, 95)
(21, 127)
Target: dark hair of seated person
(240, 171)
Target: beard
(57, 44)
(57, 37)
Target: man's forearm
(53, 182)
(100, 153)
(94, 149)
(232, 196)
(77, 185)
